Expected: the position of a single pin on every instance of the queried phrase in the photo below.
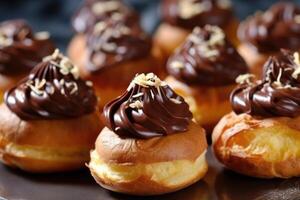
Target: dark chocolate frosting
(53, 90)
(149, 108)
(191, 13)
(94, 11)
(113, 41)
(207, 58)
(278, 94)
(20, 48)
(276, 28)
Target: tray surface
(219, 184)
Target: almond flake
(191, 8)
(177, 65)
(297, 61)
(137, 104)
(245, 78)
(43, 35)
(106, 6)
(137, 95)
(89, 83)
(176, 101)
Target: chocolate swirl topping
(278, 27)
(53, 90)
(191, 13)
(207, 58)
(113, 41)
(278, 94)
(149, 108)
(20, 48)
(94, 11)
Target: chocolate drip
(148, 108)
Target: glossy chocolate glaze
(20, 48)
(114, 41)
(206, 58)
(94, 11)
(148, 108)
(278, 94)
(191, 13)
(113, 34)
(276, 28)
(53, 90)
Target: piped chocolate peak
(149, 108)
(191, 13)
(94, 11)
(115, 41)
(276, 28)
(53, 90)
(20, 48)
(276, 95)
(207, 58)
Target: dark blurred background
(54, 15)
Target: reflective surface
(219, 184)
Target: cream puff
(180, 17)
(20, 50)
(94, 11)
(49, 120)
(203, 71)
(150, 144)
(261, 137)
(265, 33)
(113, 51)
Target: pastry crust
(265, 148)
(111, 82)
(148, 167)
(46, 145)
(169, 37)
(208, 104)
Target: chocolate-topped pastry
(113, 50)
(113, 35)
(277, 94)
(149, 130)
(203, 70)
(206, 58)
(113, 42)
(149, 108)
(276, 28)
(100, 10)
(53, 90)
(49, 121)
(265, 33)
(94, 11)
(20, 48)
(180, 17)
(261, 137)
(191, 13)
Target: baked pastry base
(266, 148)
